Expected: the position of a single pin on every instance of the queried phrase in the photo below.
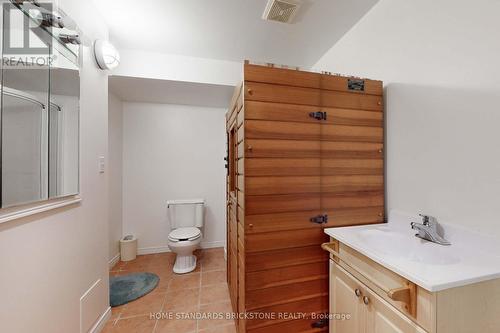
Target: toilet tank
(186, 213)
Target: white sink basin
(469, 259)
(387, 241)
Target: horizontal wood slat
(282, 148)
(352, 200)
(301, 220)
(285, 312)
(258, 148)
(340, 167)
(283, 185)
(260, 129)
(264, 204)
(283, 167)
(313, 184)
(284, 275)
(259, 261)
(292, 77)
(312, 167)
(351, 133)
(306, 96)
(281, 76)
(351, 183)
(255, 110)
(281, 94)
(294, 326)
(284, 239)
(284, 294)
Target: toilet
(186, 219)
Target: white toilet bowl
(183, 242)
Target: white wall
(48, 261)
(115, 137)
(151, 65)
(172, 152)
(439, 62)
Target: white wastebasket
(128, 248)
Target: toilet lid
(182, 234)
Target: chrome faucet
(428, 230)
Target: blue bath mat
(126, 288)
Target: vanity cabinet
(305, 152)
(368, 313)
(379, 300)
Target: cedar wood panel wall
(288, 168)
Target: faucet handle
(427, 219)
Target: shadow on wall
(443, 154)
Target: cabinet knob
(250, 92)
(250, 226)
(366, 300)
(358, 293)
(379, 103)
(250, 148)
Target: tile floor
(203, 291)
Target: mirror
(63, 131)
(39, 121)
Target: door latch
(319, 115)
(320, 219)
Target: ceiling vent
(281, 10)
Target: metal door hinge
(319, 115)
(320, 219)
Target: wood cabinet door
(381, 317)
(345, 302)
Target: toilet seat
(184, 234)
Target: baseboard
(114, 260)
(103, 319)
(162, 249)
